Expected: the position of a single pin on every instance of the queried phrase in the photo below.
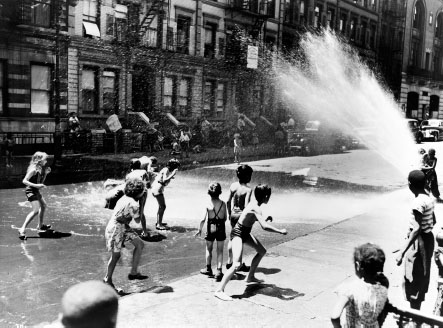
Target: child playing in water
(419, 245)
(118, 231)
(239, 197)
(241, 234)
(365, 296)
(34, 181)
(430, 162)
(216, 218)
(161, 181)
(237, 147)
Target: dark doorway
(412, 103)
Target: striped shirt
(423, 204)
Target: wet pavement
(35, 273)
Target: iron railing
(404, 317)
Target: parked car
(414, 126)
(432, 129)
(317, 138)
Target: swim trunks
(241, 231)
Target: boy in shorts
(216, 218)
(241, 234)
(118, 231)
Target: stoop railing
(404, 317)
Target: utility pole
(57, 131)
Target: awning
(264, 119)
(247, 120)
(173, 119)
(91, 29)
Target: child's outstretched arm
(142, 203)
(228, 203)
(337, 311)
(45, 174)
(171, 176)
(267, 226)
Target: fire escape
(258, 11)
(154, 9)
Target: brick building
(182, 57)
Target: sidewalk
(300, 275)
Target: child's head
(214, 189)
(417, 180)
(431, 152)
(134, 188)
(421, 151)
(244, 173)
(135, 164)
(39, 159)
(262, 193)
(369, 260)
(173, 164)
(153, 160)
(89, 304)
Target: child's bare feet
(254, 280)
(221, 295)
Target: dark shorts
(217, 232)
(241, 231)
(33, 195)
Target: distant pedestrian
(365, 296)
(118, 232)
(239, 196)
(73, 122)
(215, 218)
(241, 234)
(34, 181)
(419, 246)
(429, 164)
(438, 257)
(238, 145)
(184, 142)
(89, 304)
(279, 141)
(255, 139)
(9, 148)
(161, 181)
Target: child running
(239, 197)
(419, 245)
(161, 181)
(118, 231)
(215, 230)
(34, 181)
(237, 147)
(364, 297)
(241, 234)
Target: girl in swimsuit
(215, 217)
(34, 181)
(241, 234)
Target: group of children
(364, 299)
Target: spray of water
(328, 82)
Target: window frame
(116, 91)
(49, 91)
(48, 17)
(95, 92)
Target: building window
(168, 93)
(210, 37)
(90, 10)
(184, 99)
(110, 92)
(209, 100)
(89, 90)
(439, 26)
(183, 25)
(41, 12)
(2, 87)
(221, 47)
(220, 99)
(170, 39)
(40, 89)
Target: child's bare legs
(35, 211)
(115, 256)
(229, 253)
(41, 213)
(220, 246)
(136, 256)
(161, 208)
(208, 256)
(237, 251)
(261, 251)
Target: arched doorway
(412, 105)
(434, 103)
